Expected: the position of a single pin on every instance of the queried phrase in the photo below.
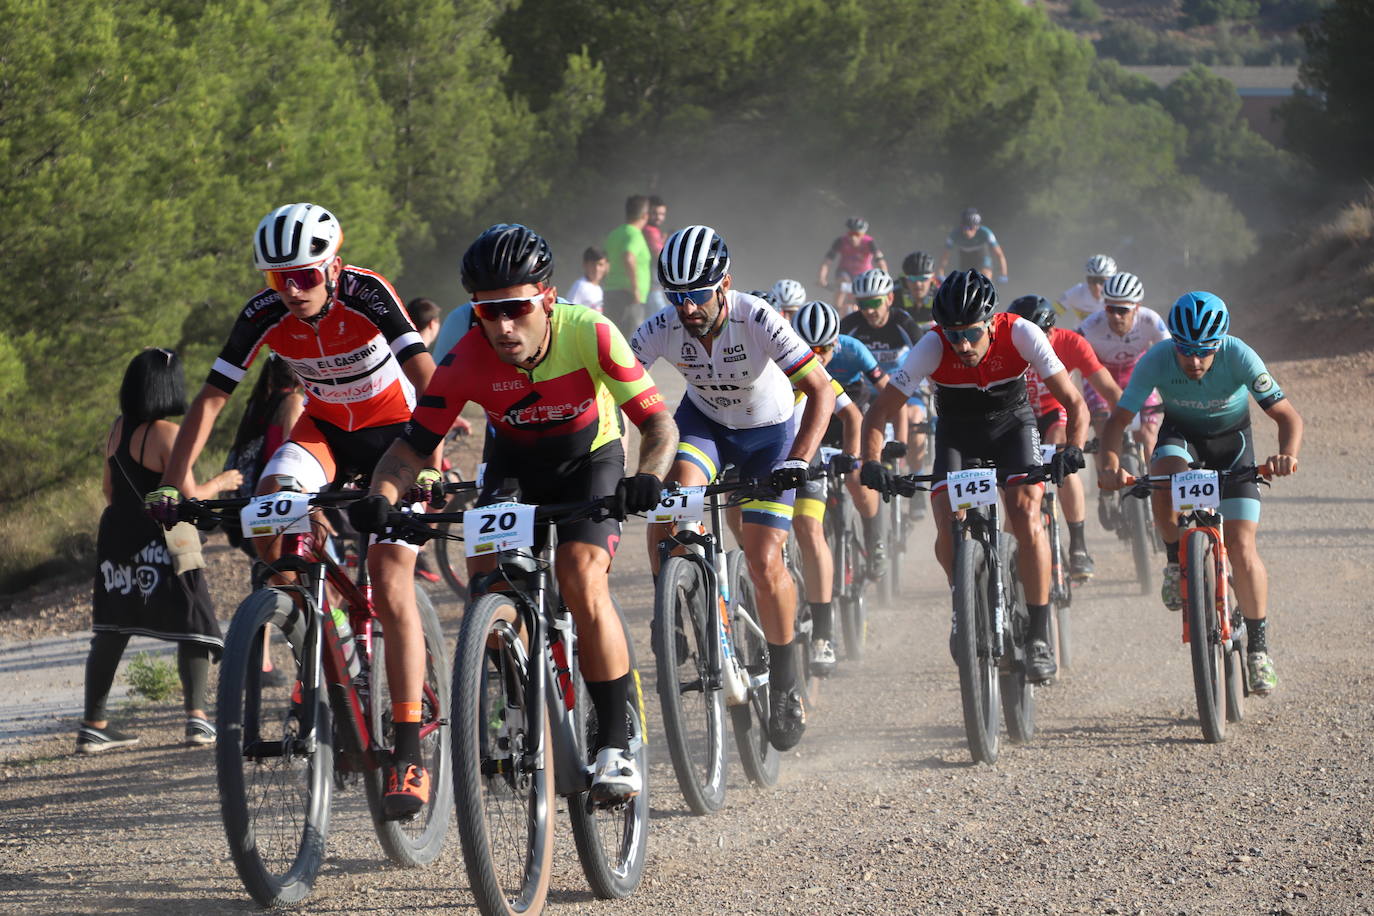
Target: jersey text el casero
(1214, 404)
(560, 411)
(349, 358)
(1075, 353)
(745, 380)
(996, 385)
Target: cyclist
(741, 362)
(786, 296)
(345, 334)
(818, 325)
(976, 245)
(549, 376)
(1052, 420)
(978, 361)
(853, 253)
(918, 285)
(1120, 334)
(889, 333)
(1082, 299)
(1204, 375)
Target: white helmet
(693, 258)
(1123, 287)
(817, 323)
(872, 283)
(296, 235)
(1100, 265)
(788, 294)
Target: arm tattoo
(397, 469)
(657, 444)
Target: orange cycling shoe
(407, 791)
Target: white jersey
(745, 379)
(585, 292)
(1077, 304)
(1120, 352)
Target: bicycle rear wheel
(1235, 667)
(693, 706)
(612, 842)
(503, 789)
(275, 780)
(978, 681)
(1141, 528)
(1018, 695)
(417, 841)
(1204, 637)
(1061, 590)
(853, 611)
(448, 553)
(887, 589)
(750, 719)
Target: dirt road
(1116, 807)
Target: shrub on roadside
(155, 679)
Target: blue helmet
(1199, 319)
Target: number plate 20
(500, 526)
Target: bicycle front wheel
(978, 681)
(853, 611)
(750, 719)
(612, 842)
(1018, 695)
(1204, 636)
(502, 766)
(417, 841)
(688, 692)
(1141, 528)
(1061, 590)
(274, 773)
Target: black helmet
(507, 254)
(918, 264)
(1035, 309)
(965, 297)
(856, 224)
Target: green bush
(152, 678)
(1085, 10)
(1206, 12)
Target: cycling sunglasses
(1187, 350)
(303, 278)
(871, 303)
(511, 309)
(822, 350)
(697, 297)
(1120, 309)
(971, 335)
(917, 278)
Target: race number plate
(500, 526)
(688, 504)
(1047, 452)
(972, 488)
(276, 513)
(1195, 490)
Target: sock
(782, 675)
(1076, 544)
(1255, 633)
(1171, 552)
(609, 699)
(405, 718)
(1039, 621)
(822, 620)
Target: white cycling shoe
(616, 777)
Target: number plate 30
(276, 513)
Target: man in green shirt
(627, 281)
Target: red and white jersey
(997, 384)
(1120, 352)
(348, 358)
(1075, 353)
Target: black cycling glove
(639, 493)
(1065, 462)
(789, 475)
(876, 477)
(843, 463)
(368, 515)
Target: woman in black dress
(137, 587)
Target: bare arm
(820, 406)
(1105, 385)
(1001, 260)
(824, 273)
(657, 444)
(1290, 426)
(881, 263)
(1062, 387)
(852, 419)
(191, 438)
(886, 406)
(1108, 455)
(420, 369)
(944, 259)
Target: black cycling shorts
(1011, 439)
(1225, 452)
(597, 475)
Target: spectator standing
(627, 280)
(148, 583)
(425, 315)
(586, 289)
(653, 229)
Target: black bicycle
(1061, 582)
(524, 724)
(852, 565)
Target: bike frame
(1206, 524)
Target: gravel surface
(1117, 806)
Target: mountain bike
(895, 528)
(991, 624)
(1213, 625)
(1131, 519)
(282, 750)
(852, 566)
(1061, 583)
(710, 649)
(523, 722)
(449, 559)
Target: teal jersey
(1215, 403)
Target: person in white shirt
(1083, 299)
(586, 289)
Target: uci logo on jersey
(688, 351)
